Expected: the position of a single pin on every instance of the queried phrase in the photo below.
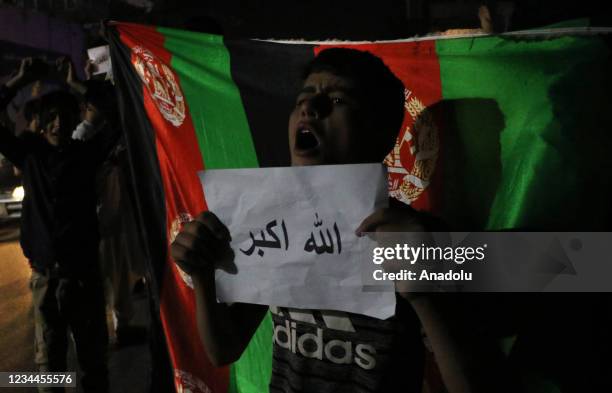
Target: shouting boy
(349, 110)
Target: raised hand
(24, 74)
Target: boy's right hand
(65, 68)
(202, 244)
(23, 75)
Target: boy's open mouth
(306, 140)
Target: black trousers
(62, 303)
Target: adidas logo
(313, 345)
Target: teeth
(305, 131)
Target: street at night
(129, 367)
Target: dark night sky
(344, 19)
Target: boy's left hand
(399, 217)
(392, 219)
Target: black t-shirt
(329, 351)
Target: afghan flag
(516, 135)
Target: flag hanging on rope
(515, 137)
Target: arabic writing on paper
(263, 243)
(324, 247)
(328, 243)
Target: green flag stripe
(252, 372)
(225, 140)
(520, 77)
(203, 65)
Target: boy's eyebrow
(308, 89)
(330, 89)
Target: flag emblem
(161, 83)
(419, 143)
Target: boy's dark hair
(101, 94)
(380, 87)
(57, 101)
(31, 109)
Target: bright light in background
(18, 193)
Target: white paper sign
(100, 57)
(293, 235)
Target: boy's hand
(23, 76)
(202, 245)
(24, 68)
(90, 68)
(65, 68)
(392, 219)
(415, 226)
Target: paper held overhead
(100, 57)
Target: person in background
(31, 113)
(59, 233)
(486, 25)
(121, 253)
(121, 257)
